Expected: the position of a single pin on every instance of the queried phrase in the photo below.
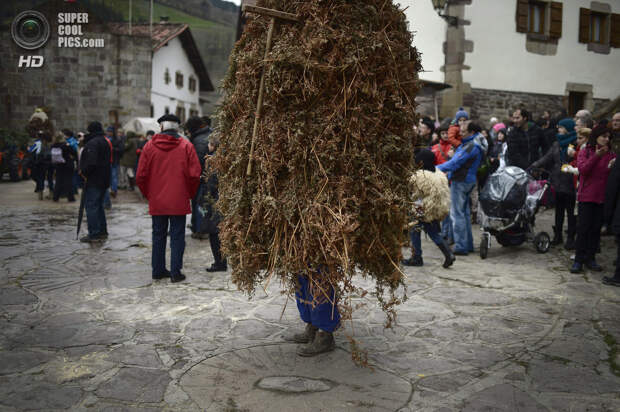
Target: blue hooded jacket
(465, 162)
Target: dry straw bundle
(333, 152)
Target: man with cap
(168, 176)
(95, 169)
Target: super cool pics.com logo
(31, 30)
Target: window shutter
(555, 29)
(522, 15)
(614, 40)
(584, 25)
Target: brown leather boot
(306, 336)
(323, 342)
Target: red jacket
(593, 173)
(441, 150)
(168, 174)
(454, 135)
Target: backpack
(57, 157)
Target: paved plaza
(84, 327)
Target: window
(576, 102)
(167, 76)
(192, 84)
(536, 20)
(598, 28)
(181, 113)
(179, 79)
(166, 110)
(152, 111)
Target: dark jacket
(209, 197)
(95, 161)
(524, 146)
(130, 157)
(552, 162)
(118, 144)
(200, 140)
(612, 202)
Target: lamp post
(440, 6)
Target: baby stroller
(507, 208)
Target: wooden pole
(261, 91)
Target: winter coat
(431, 194)
(441, 150)
(168, 174)
(210, 195)
(612, 202)
(551, 161)
(454, 135)
(200, 140)
(464, 164)
(593, 173)
(614, 141)
(524, 146)
(117, 145)
(95, 161)
(130, 157)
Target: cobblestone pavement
(85, 328)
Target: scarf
(565, 140)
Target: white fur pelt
(431, 193)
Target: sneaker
(611, 281)
(594, 266)
(165, 274)
(177, 278)
(576, 268)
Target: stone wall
(78, 85)
(483, 104)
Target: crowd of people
(166, 166)
(577, 156)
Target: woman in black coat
(211, 218)
(612, 217)
(63, 160)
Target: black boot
(570, 242)
(449, 257)
(413, 261)
(557, 237)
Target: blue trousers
(319, 316)
(460, 213)
(431, 229)
(447, 231)
(177, 244)
(114, 178)
(95, 214)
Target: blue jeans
(460, 213)
(320, 315)
(114, 178)
(177, 244)
(95, 214)
(446, 229)
(431, 229)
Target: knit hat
(599, 129)
(461, 113)
(95, 127)
(498, 126)
(568, 124)
(427, 158)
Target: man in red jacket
(168, 176)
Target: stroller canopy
(505, 192)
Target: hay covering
(329, 187)
(431, 195)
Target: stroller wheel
(484, 245)
(542, 242)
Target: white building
(178, 72)
(541, 54)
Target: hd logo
(30, 61)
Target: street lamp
(439, 6)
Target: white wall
(500, 61)
(174, 58)
(429, 33)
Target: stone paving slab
(84, 327)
